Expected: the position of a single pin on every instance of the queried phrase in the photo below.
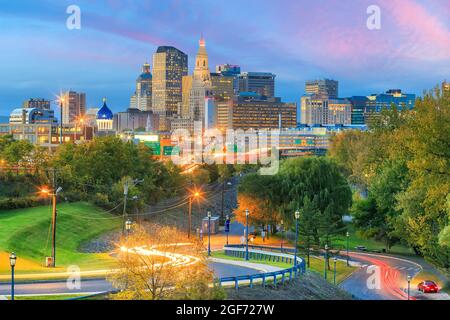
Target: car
(428, 286)
(361, 248)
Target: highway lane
(101, 285)
(391, 274)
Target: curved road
(101, 285)
(380, 277)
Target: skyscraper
(169, 67)
(222, 86)
(316, 109)
(142, 98)
(325, 87)
(262, 83)
(74, 106)
(201, 84)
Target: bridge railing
(263, 253)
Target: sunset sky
(296, 40)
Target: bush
(101, 200)
(19, 203)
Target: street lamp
(246, 233)
(409, 285)
(54, 215)
(196, 194)
(334, 278)
(12, 263)
(348, 257)
(209, 233)
(297, 216)
(326, 261)
(282, 233)
(227, 226)
(128, 225)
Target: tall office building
(201, 84)
(37, 103)
(222, 86)
(230, 70)
(74, 106)
(339, 112)
(142, 98)
(253, 111)
(262, 83)
(326, 87)
(169, 67)
(319, 110)
(359, 105)
(186, 97)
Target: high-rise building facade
(262, 83)
(339, 112)
(32, 116)
(319, 110)
(222, 86)
(74, 106)
(186, 96)
(135, 120)
(169, 67)
(142, 98)
(201, 84)
(230, 70)
(37, 103)
(326, 87)
(359, 105)
(258, 112)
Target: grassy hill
(27, 232)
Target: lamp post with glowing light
(128, 225)
(246, 233)
(12, 263)
(297, 216)
(191, 199)
(282, 233)
(209, 233)
(348, 257)
(326, 261)
(54, 215)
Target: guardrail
(266, 254)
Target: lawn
(316, 265)
(372, 245)
(47, 297)
(27, 233)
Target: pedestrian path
(264, 268)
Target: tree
(156, 264)
(309, 215)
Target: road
(101, 285)
(391, 274)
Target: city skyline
(117, 37)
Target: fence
(265, 254)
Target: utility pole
(54, 229)
(125, 196)
(190, 217)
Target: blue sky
(297, 40)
